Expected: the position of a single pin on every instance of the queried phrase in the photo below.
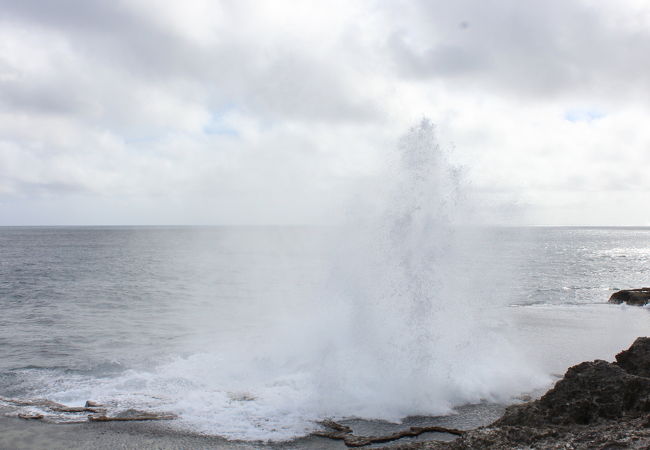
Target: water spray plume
(401, 325)
(414, 341)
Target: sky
(280, 112)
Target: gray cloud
(534, 48)
(126, 48)
(280, 113)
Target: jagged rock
(627, 434)
(635, 297)
(588, 393)
(636, 359)
(592, 392)
(596, 405)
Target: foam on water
(399, 327)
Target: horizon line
(292, 226)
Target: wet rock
(636, 359)
(132, 415)
(75, 409)
(91, 404)
(635, 297)
(628, 434)
(588, 393)
(50, 405)
(596, 405)
(344, 433)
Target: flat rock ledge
(597, 405)
(75, 414)
(634, 297)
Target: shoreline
(597, 404)
(544, 326)
(19, 433)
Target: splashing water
(404, 325)
(416, 339)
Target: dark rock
(589, 392)
(636, 359)
(635, 297)
(596, 405)
(628, 434)
(344, 433)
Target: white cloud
(276, 112)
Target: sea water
(257, 333)
(202, 322)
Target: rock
(132, 415)
(344, 433)
(589, 392)
(636, 359)
(596, 405)
(635, 297)
(31, 416)
(627, 434)
(75, 409)
(91, 404)
(52, 406)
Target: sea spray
(407, 321)
(410, 296)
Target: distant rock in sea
(596, 405)
(635, 297)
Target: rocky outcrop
(636, 359)
(596, 405)
(625, 434)
(99, 411)
(635, 297)
(131, 415)
(590, 392)
(337, 431)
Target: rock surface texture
(635, 297)
(597, 405)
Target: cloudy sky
(279, 112)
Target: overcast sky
(279, 112)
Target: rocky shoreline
(596, 405)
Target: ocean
(256, 333)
